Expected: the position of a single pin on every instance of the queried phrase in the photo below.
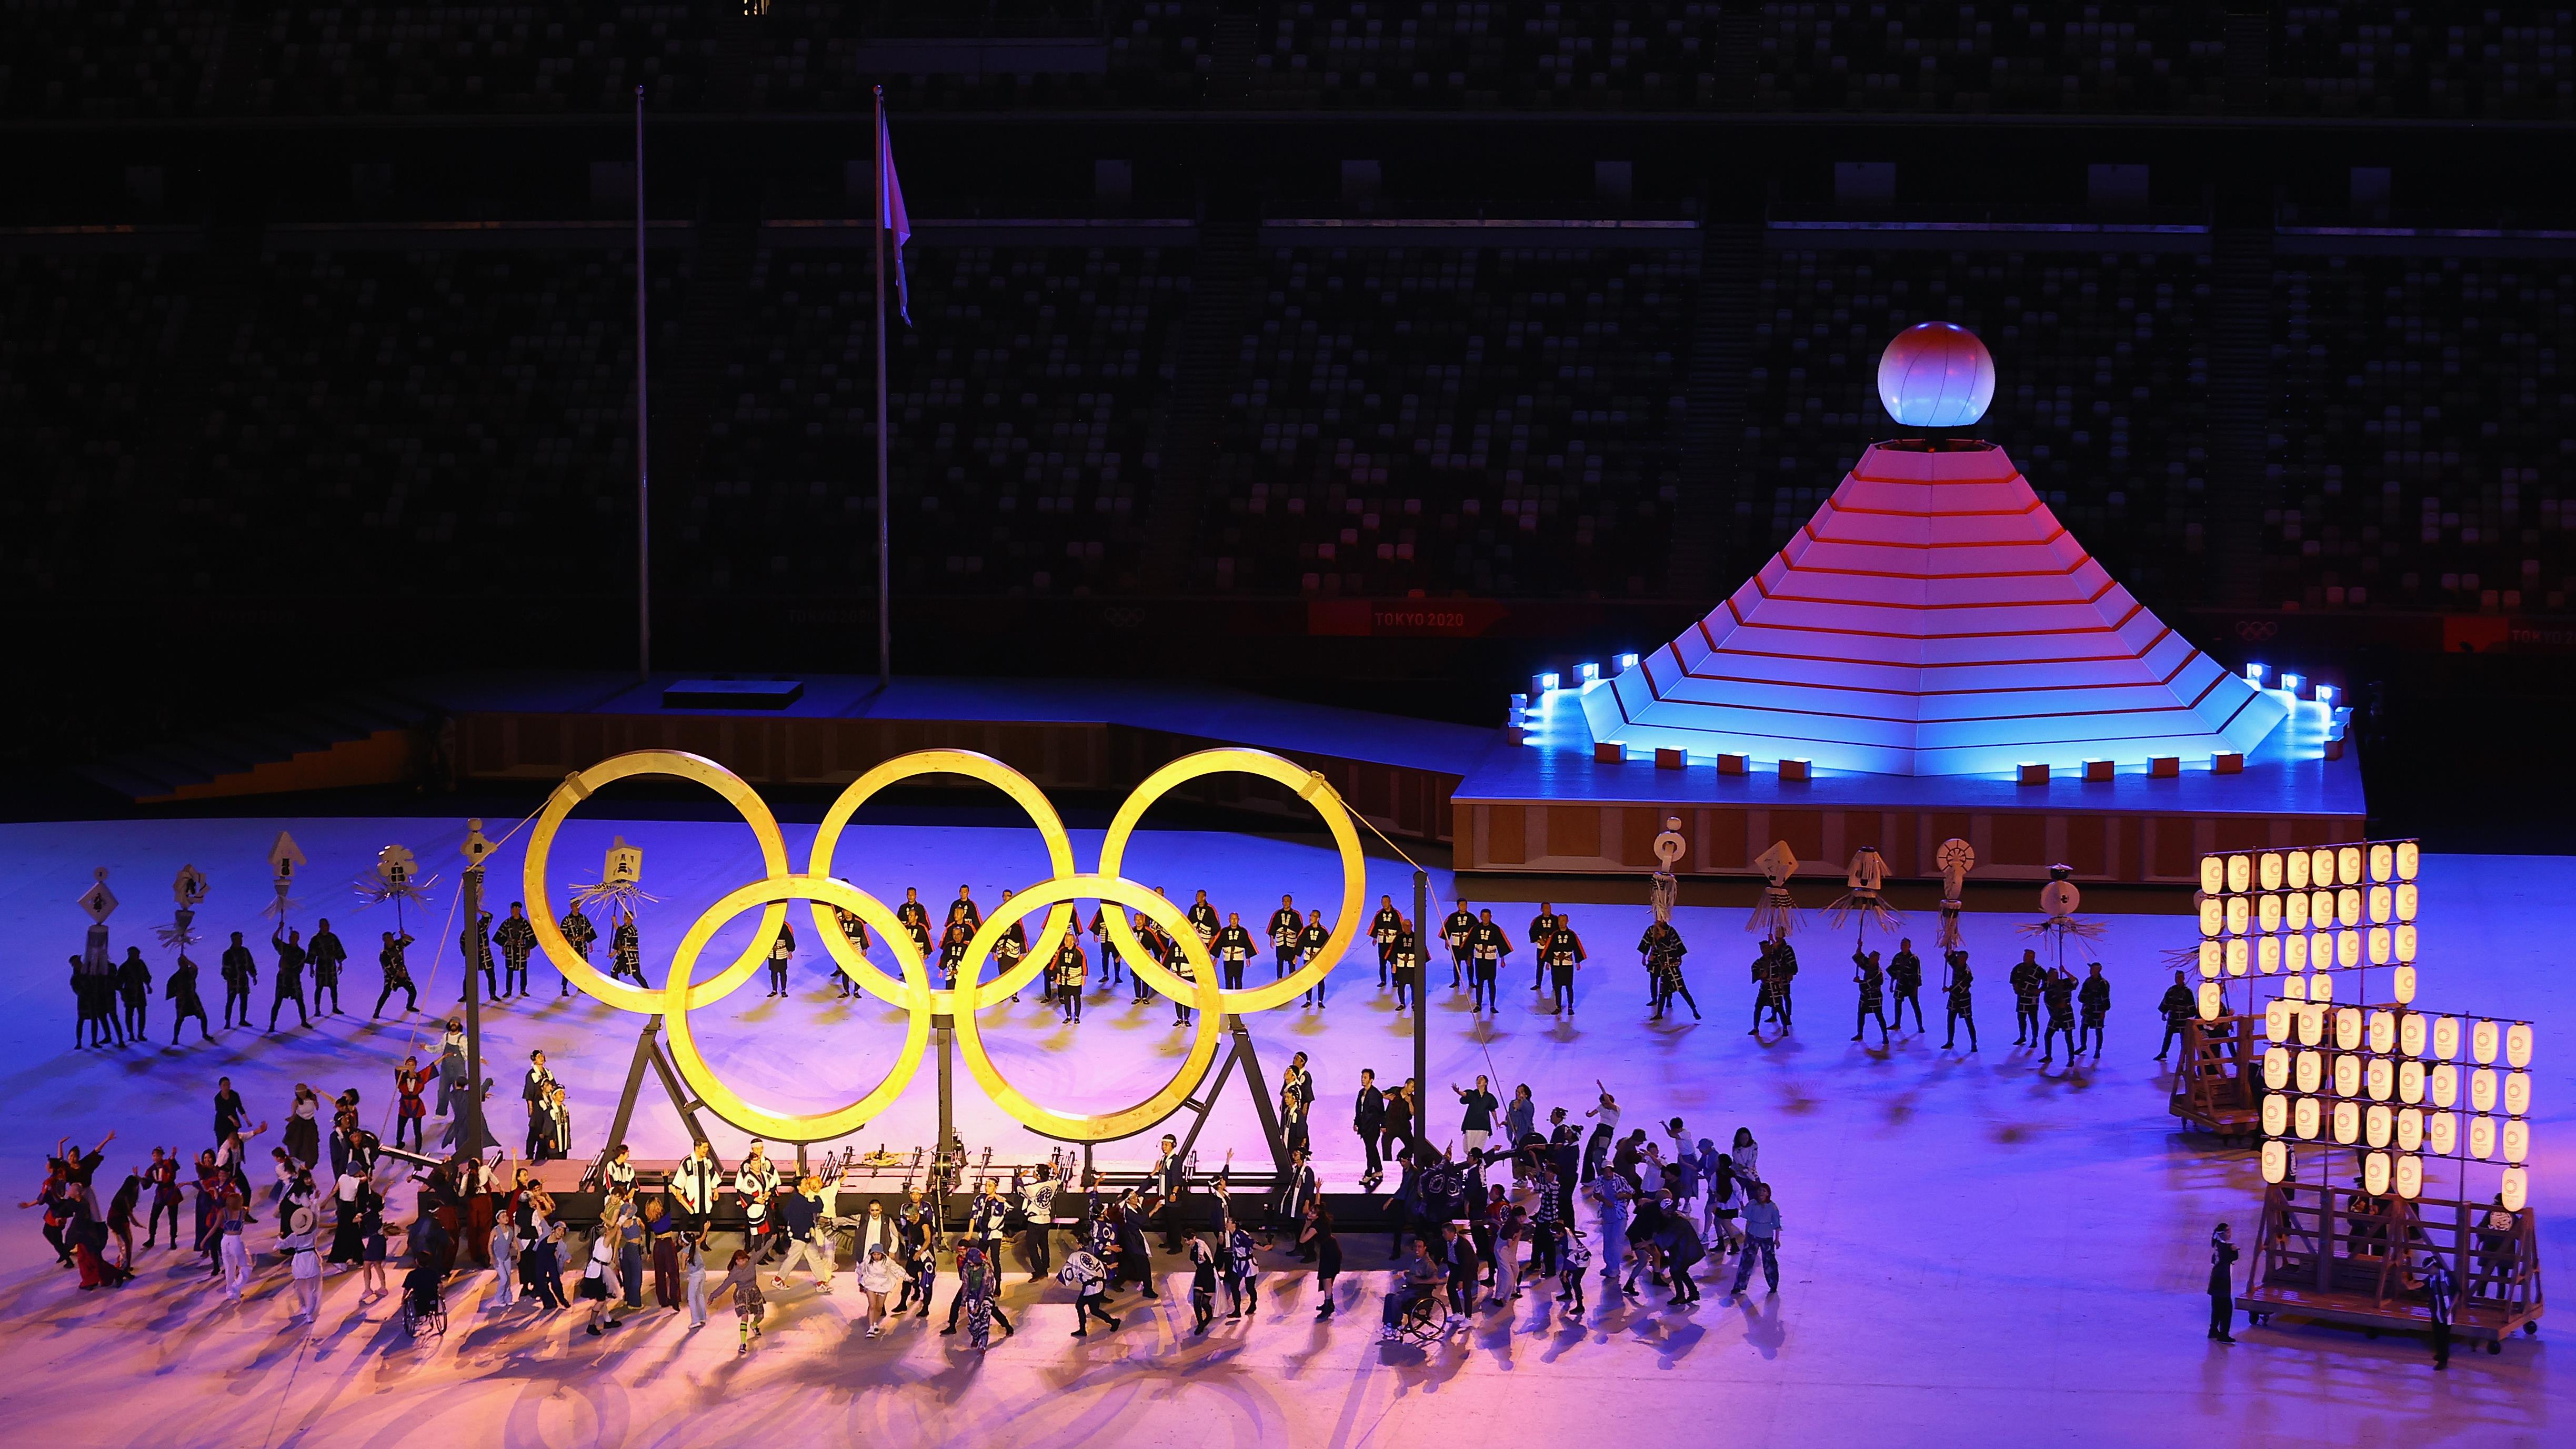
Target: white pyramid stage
(1933, 618)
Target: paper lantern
(2239, 915)
(2406, 900)
(2294, 953)
(2380, 903)
(2347, 949)
(2409, 857)
(2482, 1137)
(2514, 1188)
(2213, 915)
(2294, 870)
(2312, 1071)
(2267, 913)
(2279, 1019)
(2348, 907)
(2517, 1044)
(2210, 957)
(2379, 1079)
(2383, 1031)
(2347, 1029)
(2517, 1093)
(2410, 1129)
(2240, 873)
(2376, 939)
(2446, 1036)
(2294, 911)
(2404, 938)
(2484, 1039)
(2267, 955)
(2383, 862)
(2321, 866)
(2213, 875)
(2347, 1123)
(2410, 1081)
(2276, 1068)
(2412, 1032)
(2374, 1173)
(2320, 985)
(2347, 1076)
(2348, 865)
(2212, 1001)
(2295, 988)
(2276, 1161)
(2401, 984)
(2410, 1177)
(2514, 1143)
(2312, 1024)
(2321, 908)
(2442, 1134)
(2444, 1085)
(2276, 1115)
(2238, 952)
(1936, 375)
(2377, 1126)
(2482, 1089)
(2304, 1119)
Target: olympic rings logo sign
(912, 989)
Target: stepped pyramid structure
(1933, 618)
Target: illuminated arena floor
(1976, 1251)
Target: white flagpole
(643, 474)
(885, 552)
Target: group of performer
(1884, 993)
(1474, 1220)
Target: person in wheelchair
(1422, 1281)
(424, 1307)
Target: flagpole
(885, 552)
(643, 474)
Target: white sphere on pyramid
(1936, 375)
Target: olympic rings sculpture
(924, 1003)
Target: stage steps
(360, 737)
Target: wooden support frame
(2217, 1083)
(2315, 1257)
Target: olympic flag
(891, 215)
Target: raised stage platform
(1549, 805)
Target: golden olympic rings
(723, 1100)
(827, 839)
(923, 1003)
(579, 787)
(1203, 994)
(1310, 787)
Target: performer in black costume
(579, 932)
(1562, 952)
(916, 919)
(2058, 986)
(2176, 1006)
(1202, 918)
(1542, 926)
(290, 977)
(1873, 991)
(2095, 997)
(181, 989)
(1310, 941)
(397, 974)
(476, 942)
(1407, 969)
(1234, 946)
(1662, 950)
(1905, 981)
(134, 984)
(241, 973)
(325, 953)
(1384, 927)
(1459, 930)
(626, 951)
(2027, 977)
(1284, 925)
(516, 937)
(1487, 945)
(1958, 985)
